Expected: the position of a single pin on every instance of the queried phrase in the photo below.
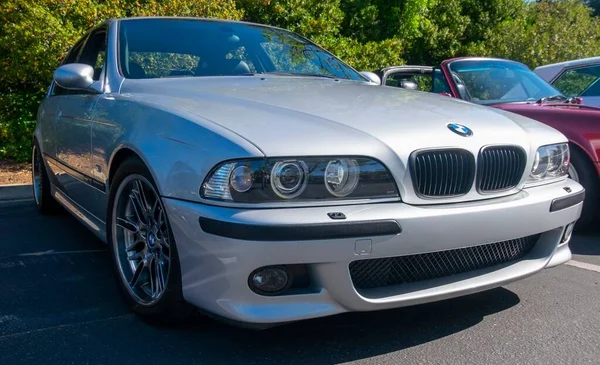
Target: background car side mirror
(372, 77)
(75, 76)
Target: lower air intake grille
(375, 273)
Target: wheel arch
(122, 154)
(577, 147)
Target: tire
(145, 257)
(584, 173)
(42, 195)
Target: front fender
(178, 149)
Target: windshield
(152, 48)
(498, 81)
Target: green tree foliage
(547, 32)
(310, 18)
(368, 56)
(17, 121)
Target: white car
(243, 170)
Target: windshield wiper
(549, 99)
(301, 74)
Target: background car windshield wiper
(548, 99)
(302, 74)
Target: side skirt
(93, 223)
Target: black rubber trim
(567, 201)
(76, 174)
(300, 232)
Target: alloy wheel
(141, 239)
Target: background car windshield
(152, 48)
(494, 82)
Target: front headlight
(298, 179)
(550, 162)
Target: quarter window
(580, 81)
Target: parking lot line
(583, 265)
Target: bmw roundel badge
(460, 129)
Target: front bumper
(215, 268)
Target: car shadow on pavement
(60, 301)
(342, 338)
(586, 242)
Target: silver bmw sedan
(243, 170)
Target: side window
(576, 82)
(94, 52)
(90, 51)
(74, 53)
(440, 85)
(593, 90)
(71, 57)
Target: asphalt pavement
(59, 304)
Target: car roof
(581, 61)
(552, 71)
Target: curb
(15, 192)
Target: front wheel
(144, 251)
(582, 171)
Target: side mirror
(371, 76)
(75, 76)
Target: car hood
(580, 123)
(295, 116)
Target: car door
(582, 81)
(48, 110)
(73, 129)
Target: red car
(513, 87)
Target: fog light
(269, 280)
(568, 232)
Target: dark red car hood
(558, 115)
(579, 123)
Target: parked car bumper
(216, 267)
